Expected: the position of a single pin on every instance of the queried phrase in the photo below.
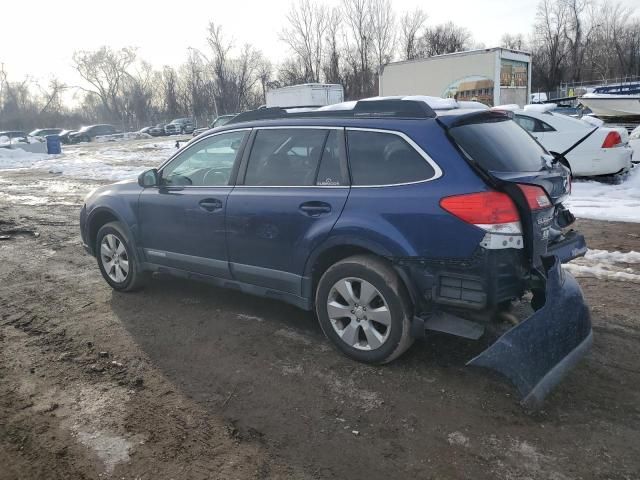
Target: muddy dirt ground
(183, 380)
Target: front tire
(364, 309)
(117, 259)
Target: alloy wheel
(359, 313)
(114, 257)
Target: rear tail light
(492, 211)
(537, 198)
(611, 140)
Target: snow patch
(459, 439)
(606, 265)
(613, 257)
(601, 201)
(111, 449)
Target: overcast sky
(38, 38)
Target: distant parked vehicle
(157, 130)
(179, 126)
(602, 151)
(145, 130)
(86, 134)
(14, 136)
(64, 135)
(218, 122)
(43, 132)
(305, 95)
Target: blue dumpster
(53, 144)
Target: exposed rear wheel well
(98, 220)
(332, 256)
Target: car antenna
(557, 157)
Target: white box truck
(493, 76)
(305, 95)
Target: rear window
(378, 158)
(499, 145)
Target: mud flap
(538, 352)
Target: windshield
(499, 145)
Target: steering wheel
(215, 177)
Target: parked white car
(634, 143)
(604, 152)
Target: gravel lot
(183, 380)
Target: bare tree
(264, 72)
(234, 78)
(445, 38)
(333, 54)
(105, 70)
(411, 26)
(551, 51)
(170, 91)
(383, 31)
(291, 72)
(513, 41)
(53, 100)
(308, 23)
(577, 35)
(357, 18)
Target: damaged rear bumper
(538, 352)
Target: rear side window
(378, 158)
(499, 145)
(285, 157)
(533, 124)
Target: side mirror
(149, 178)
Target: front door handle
(315, 209)
(210, 204)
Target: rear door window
(285, 157)
(380, 158)
(499, 145)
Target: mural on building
(513, 73)
(474, 87)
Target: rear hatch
(511, 161)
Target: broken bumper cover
(538, 352)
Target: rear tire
(364, 309)
(117, 259)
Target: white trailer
(305, 95)
(493, 76)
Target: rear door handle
(210, 204)
(315, 208)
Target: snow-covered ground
(602, 201)
(99, 161)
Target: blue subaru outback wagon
(388, 218)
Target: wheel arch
(99, 217)
(338, 249)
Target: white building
(494, 76)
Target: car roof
(379, 123)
